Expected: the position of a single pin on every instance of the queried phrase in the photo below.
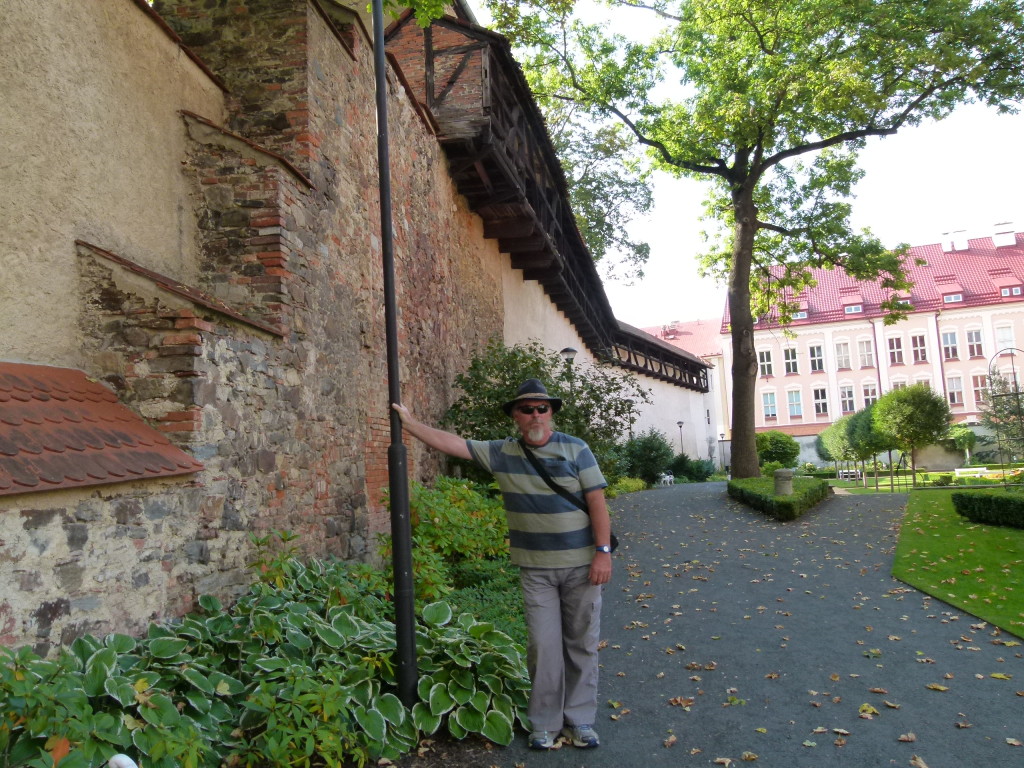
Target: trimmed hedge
(759, 493)
(991, 507)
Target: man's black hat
(532, 389)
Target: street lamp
(680, 425)
(568, 354)
(721, 449)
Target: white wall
(81, 109)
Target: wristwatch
(605, 548)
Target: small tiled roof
(699, 337)
(977, 274)
(61, 429)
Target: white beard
(536, 434)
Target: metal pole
(401, 532)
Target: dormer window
(801, 315)
(952, 298)
(1010, 291)
(853, 309)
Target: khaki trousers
(563, 619)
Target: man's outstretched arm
(446, 442)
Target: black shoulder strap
(551, 483)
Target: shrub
(991, 507)
(601, 402)
(295, 674)
(759, 493)
(647, 455)
(777, 446)
(697, 470)
(627, 485)
(769, 467)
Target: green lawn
(976, 568)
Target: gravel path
(731, 637)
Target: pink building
(965, 315)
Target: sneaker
(583, 736)
(543, 739)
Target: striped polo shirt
(545, 530)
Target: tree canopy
(771, 102)
(914, 417)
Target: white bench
(849, 474)
(970, 471)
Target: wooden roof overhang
(503, 162)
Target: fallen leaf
(877, 690)
(1015, 742)
(727, 761)
(1001, 676)
(936, 687)
(809, 743)
(891, 705)
(907, 737)
(867, 709)
(917, 762)
(671, 740)
(748, 757)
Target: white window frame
(898, 384)
(919, 347)
(794, 404)
(842, 354)
(952, 298)
(764, 362)
(1004, 337)
(867, 358)
(820, 396)
(768, 404)
(955, 390)
(846, 402)
(801, 315)
(979, 387)
(975, 347)
(895, 346)
(817, 360)
(789, 359)
(853, 309)
(870, 392)
(950, 345)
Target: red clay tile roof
(977, 273)
(61, 429)
(699, 337)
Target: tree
(777, 446)
(775, 101)
(867, 440)
(915, 417)
(647, 455)
(836, 442)
(964, 439)
(599, 402)
(1003, 414)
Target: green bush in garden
(299, 672)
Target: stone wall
(266, 358)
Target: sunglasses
(529, 409)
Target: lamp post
(401, 528)
(680, 425)
(721, 449)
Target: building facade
(965, 317)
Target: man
(564, 556)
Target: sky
(962, 173)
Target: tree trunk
(744, 357)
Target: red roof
(702, 338)
(61, 429)
(976, 274)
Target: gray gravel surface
(731, 637)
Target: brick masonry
(292, 429)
